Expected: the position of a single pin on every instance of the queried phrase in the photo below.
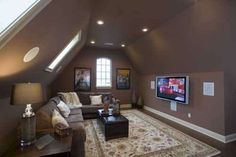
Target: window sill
(104, 87)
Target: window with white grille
(103, 74)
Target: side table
(61, 145)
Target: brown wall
(200, 39)
(10, 117)
(87, 58)
(50, 30)
(206, 111)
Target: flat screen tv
(173, 88)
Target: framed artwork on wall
(122, 78)
(82, 79)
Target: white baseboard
(125, 106)
(230, 138)
(217, 136)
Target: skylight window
(10, 10)
(15, 14)
(64, 52)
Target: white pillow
(96, 100)
(71, 99)
(64, 109)
(58, 119)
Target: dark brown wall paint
(123, 21)
(10, 118)
(87, 58)
(206, 111)
(51, 30)
(200, 39)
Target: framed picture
(122, 78)
(82, 81)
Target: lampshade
(26, 93)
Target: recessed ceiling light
(100, 22)
(145, 29)
(122, 45)
(92, 42)
(31, 54)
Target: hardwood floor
(227, 150)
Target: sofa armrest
(78, 143)
(78, 130)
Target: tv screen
(173, 88)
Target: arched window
(103, 74)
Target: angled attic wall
(51, 30)
(199, 41)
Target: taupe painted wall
(207, 111)
(51, 30)
(87, 58)
(200, 39)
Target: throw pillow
(58, 119)
(96, 100)
(71, 99)
(64, 109)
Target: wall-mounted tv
(173, 88)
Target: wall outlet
(189, 115)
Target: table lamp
(27, 94)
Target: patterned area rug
(148, 137)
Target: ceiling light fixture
(100, 22)
(145, 29)
(122, 45)
(92, 42)
(108, 44)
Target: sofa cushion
(58, 119)
(75, 118)
(85, 96)
(56, 99)
(64, 109)
(91, 108)
(44, 115)
(75, 111)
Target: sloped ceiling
(124, 19)
(199, 39)
(50, 30)
(56, 25)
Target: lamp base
(26, 143)
(28, 131)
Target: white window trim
(21, 22)
(104, 87)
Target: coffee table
(113, 125)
